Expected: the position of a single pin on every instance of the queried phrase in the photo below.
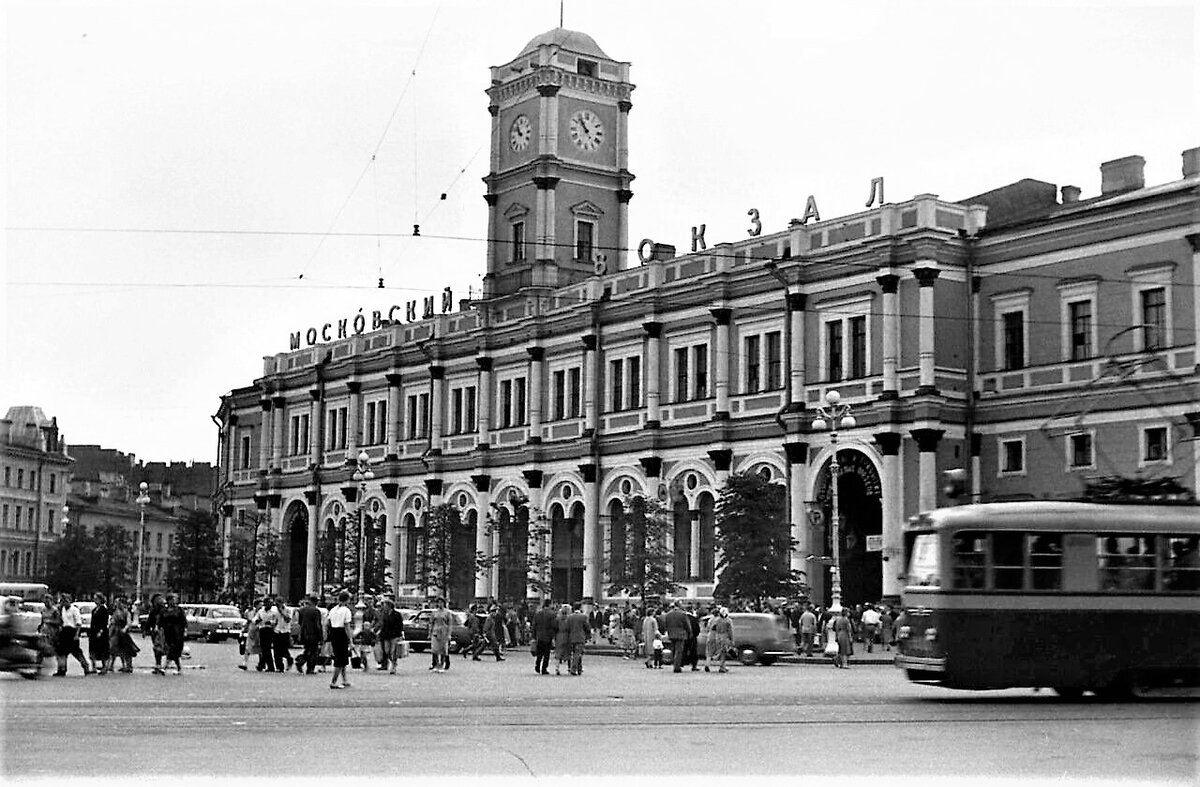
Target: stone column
(264, 437)
(353, 421)
(393, 416)
(483, 546)
(722, 460)
(433, 488)
(278, 416)
(316, 398)
(227, 533)
(721, 359)
(591, 534)
(537, 549)
(926, 278)
(591, 392)
(497, 244)
(310, 546)
(890, 284)
(537, 356)
(391, 530)
(893, 512)
(796, 303)
(797, 458)
(231, 447)
(977, 468)
(927, 443)
(653, 375)
(623, 197)
(484, 413)
(437, 408)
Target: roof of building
(571, 40)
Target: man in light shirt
(68, 636)
(870, 625)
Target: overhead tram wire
(383, 136)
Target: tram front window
(970, 560)
(923, 568)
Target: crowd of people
(334, 633)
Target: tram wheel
(748, 656)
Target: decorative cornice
(926, 276)
(651, 465)
(482, 482)
(889, 442)
(797, 453)
(533, 478)
(653, 329)
(484, 363)
(797, 301)
(545, 182)
(889, 283)
(722, 459)
(433, 486)
(354, 387)
(624, 195)
(536, 353)
(491, 199)
(437, 372)
(547, 91)
(393, 380)
(723, 316)
(589, 341)
(624, 105)
(927, 439)
(391, 490)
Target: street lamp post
(832, 416)
(362, 475)
(142, 500)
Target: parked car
(416, 631)
(758, 637)
(85, 615)
(214, 622)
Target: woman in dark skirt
(98, 649)
(338, 626)
(120, 643)
(173, 622)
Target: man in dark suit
(690, 656)
(545, 625)
(678, 630)
(311, 634)
(578, 633)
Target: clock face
(520, 134)
(587, 132)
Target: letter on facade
(876, 191)
(756, 228)
(698, 243)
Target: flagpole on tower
(560, 13)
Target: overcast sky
(174, 168)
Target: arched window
(410, 548)
(617, 549)
(683, 538)
(708, 545)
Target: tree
(645, 565)
(115, 559)
(754, 541)
(194, 561)
(71, 563)
(433, 572)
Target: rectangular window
(616, 371)
(583, 240)
(774, 361)
(833, 350)
(8, 476)
(158, 542)
(331, 438)
(858, 346)
(369, 426)
(413, 418)
(681, 374)
(17, 519)
(586, 68)
(1126, 562)
(1182, 567)
(423, 406)
(1154, 318)
(1014, 340)
(1081, 329)
(1080, 446)
(305, 439)
(635, 381)
(456, 409)
(518, 241)
(1012, 456)
(1008, 561)
(469, 403)
(341, 418)
(574, 382)
(52, 482)
(750, 352)
(293, 435)
(519, 417)
(506, 401)
(1154, 444)
(4, 519)
(20, 478)
(1045, 561)
(559, 393)
(700, 362)
(245, 456)
(970, 560)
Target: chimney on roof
(1191, 162)
(660, 252)
(1123, 174)
(1070, 194)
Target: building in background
(33, 489)
(1035, 337)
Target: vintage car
(213, 622)
(416, 631)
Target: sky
(187, 183)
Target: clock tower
(558, 186)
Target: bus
(26, 591)
(1075, 597)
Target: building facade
(1033, 340)
(33, 489)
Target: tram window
(1126, 562)
(1008, 560)
(1183, 564)
(970, 558)
(923, 569)
(1045, 560)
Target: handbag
(355, 662)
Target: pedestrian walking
(720, 639)
(578, 633)
(281, 641)
(679, 628)
(870, 626)
(651, 635)
(268, 618)
(843, 632)
(562, 639)
(172, 621)
(493, 633)
(808, 630)
(98, 646)
(440, 624)
(50, 626)
(691, 656)
(250, 645)
(311, 635)
(391, 634)
(885, 628)
(154, 631)
(68, 635)
(121, 644)
(545, 625)
(338, 634)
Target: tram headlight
(904, 632)
(931, 634)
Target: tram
(1076, 597)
